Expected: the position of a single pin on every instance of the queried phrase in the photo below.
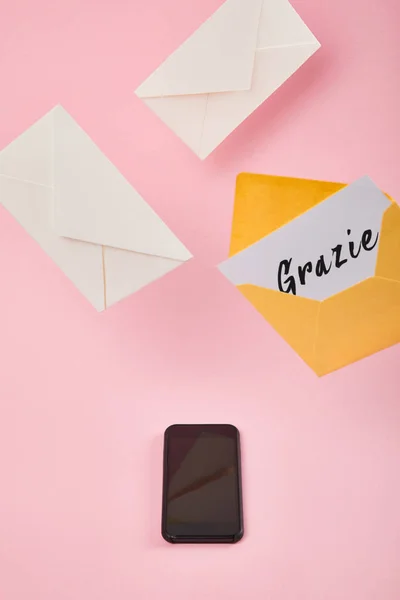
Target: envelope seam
(203, 125)
(49, 187)
(384, 279)
(256, 49)
(276, 47)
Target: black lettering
(307, 268)
(366, 238)
(290, 281)
(288, 285)
(351, 247)
(336, 253)
(321, 268)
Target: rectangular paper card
(321, 262)
(238, 58)
(83, 213)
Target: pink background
(85, 397)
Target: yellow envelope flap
(263, 203)
(347, 326)
(338, 331)
(356, 323)
(388, 262)
(293, 317)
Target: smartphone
(202, 491)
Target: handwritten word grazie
(340, 256)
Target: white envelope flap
(94, 203)
(225, 112)
(29, 157)
(26, 179)
(218, 57)
(281, 25)
(204, 105)
(324, 251)
(30, 179)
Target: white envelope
(238, 58)
(84, 214)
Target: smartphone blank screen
(201, 482)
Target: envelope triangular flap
(272, 67)
(357, 323)
(218, 57)
(294, 318)
(263, 203)
(32, 206)
(183, 114)
(388, 262)
(29, 156)
(94, 202)
(128, 272)
(281, 25)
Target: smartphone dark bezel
(218, 536)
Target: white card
(324, 251)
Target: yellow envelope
(345, 327)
